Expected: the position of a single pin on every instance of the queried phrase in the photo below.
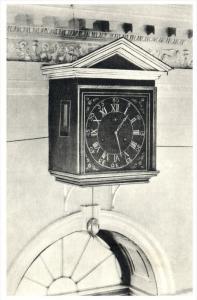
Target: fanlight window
(75, 264)
(79, 264)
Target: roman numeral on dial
(127, 157)
(138, 132)
(103, 111)
(134, 119)
(93, 118)
(96, 146)
(94, 132)
(135, 146)
(104, 158)
(115, 107)
(116, 158)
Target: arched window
(79, 264)
(122, 259)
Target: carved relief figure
(45, 52)
(22, 50)
(35, 53)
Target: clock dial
(115, 132)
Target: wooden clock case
(119, 68)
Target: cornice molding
(58, 71)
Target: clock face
(115, 133)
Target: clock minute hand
(117, 139)
(120, 125)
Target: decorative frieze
(60, 45)
(84, 34)
(47, 50)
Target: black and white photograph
(99, 155)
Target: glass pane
(64, 118)
(73, 264)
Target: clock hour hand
(116, 134)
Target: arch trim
(109, 220)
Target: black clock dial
(115, 132)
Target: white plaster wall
(164, 206)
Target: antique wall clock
(102, 116)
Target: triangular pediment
(116, 62)
(120, 59)
(128, 56)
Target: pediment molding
(139, 60)
(127, 50)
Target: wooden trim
(124, 48)
(112, 87)
(103, 178)
(70, 72)
(154, 133)
(78, 132)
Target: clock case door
(143, 101)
